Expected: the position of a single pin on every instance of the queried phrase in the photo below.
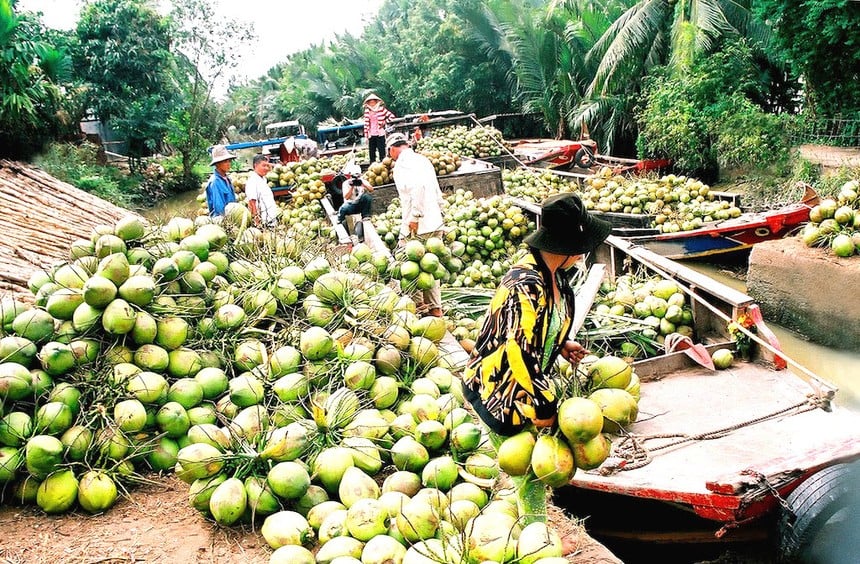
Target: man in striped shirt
(376, 117)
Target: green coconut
(57, 358)
(34, 324)
(97, 492)
(118, 317)
(17, 349)
(98, 291)
(58, 492)
(165, 269)
(172, 332)
(70, 276)
(151, 357)
(85, 317)
(15, 381)
(138, 290)
(145, 329)
(114, 267)
(62, 303)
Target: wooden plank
(372, 238)
(585, 297)
(340, 230)
(455, 355)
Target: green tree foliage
(703, 119)
(822, 43)
(32, 73)
(417, 55)
(644, 38)
(430, 62)
(124, 56)
(204, 55)
(545, 48)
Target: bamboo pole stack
(40, 216)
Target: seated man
(333, 186)
(358, 198)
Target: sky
(281, 27)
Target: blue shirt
(219, 193)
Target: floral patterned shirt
(504, 380)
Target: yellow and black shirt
(505, 379)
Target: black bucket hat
(566, 227)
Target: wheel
(584, 158)
(820, 515)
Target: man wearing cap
(376, 117)
(526, 327)
(420, 203)
(219, 190)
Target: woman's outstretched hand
(573, 352)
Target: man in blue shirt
(219, 190)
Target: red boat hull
(728, 236)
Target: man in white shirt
(261, 201)
(421, 204)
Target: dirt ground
(831, 157)
(157, 524)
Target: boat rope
(632, 451)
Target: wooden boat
(759, 450)
(717, 238)
(743, 450)
(579, 155)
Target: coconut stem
(531, 492)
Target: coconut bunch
(99, 369)
(379, 173)
(476, 142)
(678, 203)
(632, 316)
(535, 186)
(113, 291)
(489, 231)
(282, 385)
(597, 399)
(835, 222)
(443, 162)
(481, 236)
(418, 264)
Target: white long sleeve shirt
(419, 193)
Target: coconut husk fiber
(40, 216)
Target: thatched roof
(40, 216)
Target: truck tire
(584, 158)
(827, 499)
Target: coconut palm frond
(627, 42)
(742, 19)
(710, 24)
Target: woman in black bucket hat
(528, 321)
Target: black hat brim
(572, 242)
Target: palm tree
(648, 35)
(545, 51)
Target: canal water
(837, 366)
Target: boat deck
(720, 477)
